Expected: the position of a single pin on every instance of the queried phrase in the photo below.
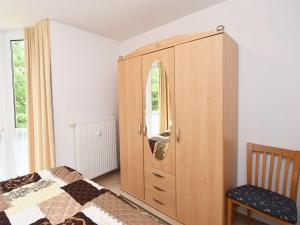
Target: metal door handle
(177, 134)
(145, 130)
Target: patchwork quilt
(63, 196)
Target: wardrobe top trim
(169, 42)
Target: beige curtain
(39, 97)
(164, 100)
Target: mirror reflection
(157, 113)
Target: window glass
(19, 83)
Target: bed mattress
(63, 196)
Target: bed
(63, 196)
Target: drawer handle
(157, 188)
(158, 175)
(159, 202)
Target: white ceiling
(116, 19)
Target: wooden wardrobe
(184, 165)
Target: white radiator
(96, 151)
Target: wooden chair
(275, 176)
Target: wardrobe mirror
(157, 113)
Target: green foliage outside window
(155, 87)
(18, 64)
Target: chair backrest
(280, 167)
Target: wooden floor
(112, 182)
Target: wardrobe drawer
(159, 178)
(162, 200)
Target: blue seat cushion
(266, 201)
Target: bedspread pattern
(62, 196)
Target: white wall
(84, 81)
(269, 66)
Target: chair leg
(249, 219)
(229, 211)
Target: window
(19, 82)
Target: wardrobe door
(130, 126)
(157, 65)
(198, 102)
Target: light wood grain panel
(199, 157)
(166, 193)
(166, 57)
(249, 163)
(230, 113)
(263, 179)
(159, 178)
(169, 42)
(271, 172)
(130, 120)
(162, 201)
(286, 172)
(256, 168)
(278, 173)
